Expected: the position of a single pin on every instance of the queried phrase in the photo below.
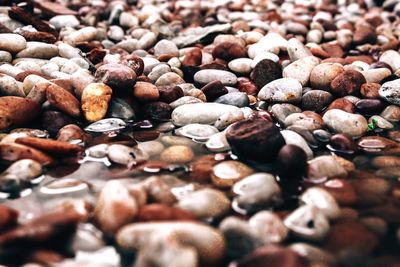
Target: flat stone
(203, 113)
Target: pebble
(347, 83)
(390, 91)
(95, 100)
(205, 203)
(115, 200)
(254, 139)
(281, 111)
(321, 199)
(325, 167)
(63, 100)
(203, 113)
(308, 222)
(323, 74)
(64, 21)
(5, 56)
(351, 236)
(151, 148)
(265, 71)
(271, 256)
(339, 121)
(316, 100)
(391, 58)
(9, 86)
(376, 75)
(294, 138)
(218, 143)
(257, 191)
(237, 99)
(240, 65)
(197, 132)
(297, 50)
(148, 238)
(226, 173)
(301, 69)
(12, 43)
(38, 50)
(206, 76)
(286, 90)
(144, 91)
(391, 113)
(177, 154)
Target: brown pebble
(143, 91)
(343, 104)
(162, 212)
(63, 100)
(370, 90)
(50, 146)
(213, 90)
(347, 83)
(351, 236)
(193, 57)
(228, 51)
(14, 152)
(16, 110)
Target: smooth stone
(9, 86)
(281, 111)
(119, 108)
(209, 75)
(203, 113)
(63, 21)
(350, 235)
(307, 120)
(166, 47)
(380, 122)
(266, 71)
(198, 132)
(282, 90)
(171, 140)
(308, 222)
(323, 74)
(323, 200)
(271, 256)
(339, 121)
(316, 100)
(392, 58)
(266, 55)
(237, 99)
(38, 50)
(324, 167)
(229, 118)
(158, 71)
(169, 79)
(218, 143)
(301, 69)
(205, 203)
(257, 191)
(390, 91)
(226, 173)
(241, 65)
(376, 75)
(313, 254)
(185, 100)
(177, 154)
(297, 50)
(123, 155)
(151, 148)
(5, 56)
(12, 43)
(294, 138)
(391, 113)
